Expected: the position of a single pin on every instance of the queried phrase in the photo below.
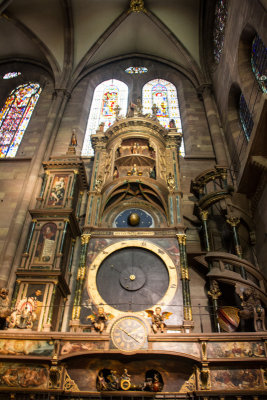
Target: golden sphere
(133, 219)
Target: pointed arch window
(107, 96)
(15, 116)
(259, 62)
(245, 117)
(164, 95)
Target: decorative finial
(137, 6)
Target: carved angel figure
(99, 319)
(158, 319)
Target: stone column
(205, 92)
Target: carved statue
(113, 380)
(73, 140)
(214, 291)
(98, 184)
(155, 110)
(152, 173)
(251, 307)
(172, 124)
(117, 110)
(5, 310)
(101, 383)
(171, 182)
(158, 319)
(100, 319)
(24, 314)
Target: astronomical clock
(133, 244)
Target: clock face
(129, 334)
(132, 279)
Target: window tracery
(164, 95)
(245, 117)
(259, 62)
(15, 116)
(221, 12)
(107, 96)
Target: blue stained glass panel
(15, 116)
(259, 62)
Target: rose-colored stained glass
(15, 116)
(107, 96)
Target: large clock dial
(132, 279)
(129, 334)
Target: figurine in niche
(118, 152)
(98, 184)
(24, 315)
(115, 173)
(171, 182)
(158, 319)
(57, 191)
(151, 152)
(99, 319)
(152, 173)
(101, 383)
(5, 310)
(134, 170)
(113, 380)
(157, 384)
(125, 375)
(172, 124)
(136, 148)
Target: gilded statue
(158, 318)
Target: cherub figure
(100, 319)
(158, 319)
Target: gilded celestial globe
(133, 219)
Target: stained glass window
(11, 75)
(15, 116)
(164, 95)
(219, 29)
(136, 70)
(259, 62)
(245, 117)
(107, 96)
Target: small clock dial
(129, 334)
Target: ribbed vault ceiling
(76, 34)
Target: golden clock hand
(127, 333)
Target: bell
(133, 219)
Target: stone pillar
(205, 92)
(185, 277)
